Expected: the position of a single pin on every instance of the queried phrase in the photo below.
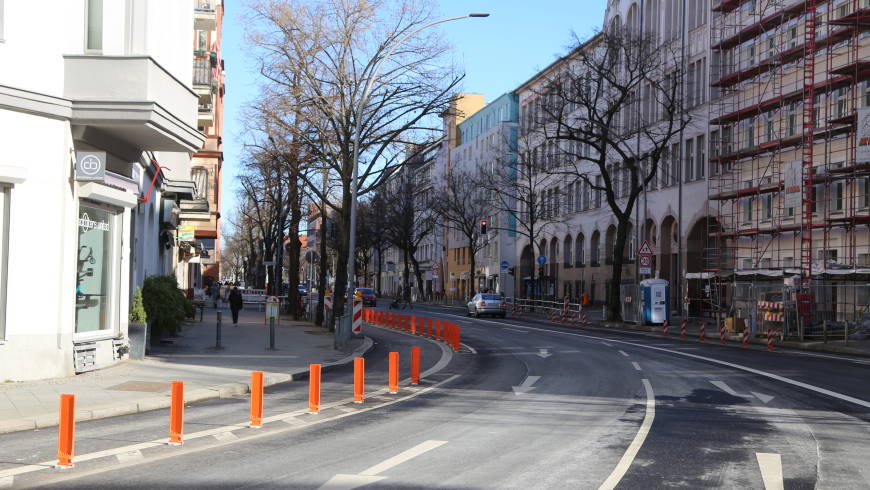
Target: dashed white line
(771, 470)
(400, 458)
(639, 438)
(623, 353)
(636, 366)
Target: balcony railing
(202, 73)
(205, 108)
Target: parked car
(487, 304)
(369, 298)
(303, 290)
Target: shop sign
(90, 166)
(86, 223)
(186, 233)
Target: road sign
(436, 267)
(272, 306)
(542, 260)
(645, 261)
(504, 265)
(644, 270)
(645, 249)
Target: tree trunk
(321, 271)
(341, 270)
(472, 273)
(406, 282)
(418, 274)
(613, 298)
(380, 269)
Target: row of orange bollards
(416, 325)
(66, 426)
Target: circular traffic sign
(542, 260)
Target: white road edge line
(623, 353)
(639, 438)
(636, 366)
(400, 458)
(771, 470)
(7, 481)
(800, 384)
(470, 348)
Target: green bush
(165, 304)
(137, 309)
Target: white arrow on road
(770, 465)
(365, 477)
(727, 389)
(543, 353)
(526, 386)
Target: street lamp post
(351, 260)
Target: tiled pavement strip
(136, 386)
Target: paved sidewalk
(137, 386)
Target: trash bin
(656, 296)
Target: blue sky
(498, 53)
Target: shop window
(4, 255)
(98, 268)
(94, 33)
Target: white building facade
(110, 88)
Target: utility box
(656, 298)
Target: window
(690, 161)
(94, 32)
(98, 269)
(675, 163)
(767, 206)
(837, 196)
(2, 8)
(579, 252)
(598, 191)
(4, 249)
(864, 192)
(700, 160)
(199, 175)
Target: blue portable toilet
(656, 298)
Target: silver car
(487, 304)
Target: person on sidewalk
(216, 294)
(236, 302)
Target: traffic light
(483, 227)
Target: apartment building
(99, 119)
(791, 191)
(580, 227)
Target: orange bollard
(66, 431)
(415, 365)
(359, 376)
(256, 400)
(314, 388)
(413, 324)
(437, 329)
(394, 373)
(456, 336)
(176, 414)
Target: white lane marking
(130, 456)
(607, 344)
(771, 470)
(470, 348)
(569, 351)
(526, 386)
(400, 458)
(345, 409)
(516, 330)
(623, 353)
(636, 366)
(294, 421)
(543, 353)
(348, 482)
(639, 438)
(761, 396)
(800, 384)
(727, 389)
(6, 481)
(225, 436)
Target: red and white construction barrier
(583, 321)
(745, 337)
(357, 316)
(722, 332)
(769, 339)
(665, 331)
(554, 315)
(703, 332)
(683, 329)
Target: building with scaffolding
(788, 239)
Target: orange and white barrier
(665, 331)
(702, 332)
(722, 332)
(683, 329)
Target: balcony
(206, 115)
(133, 100)
(204, 15)
(204, 82)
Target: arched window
(609, 240)
(595, 250)
(554, 252)
(568, 249)
(579, 251)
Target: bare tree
(323, 52)
(610, 115)
(462, 206)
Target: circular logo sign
(90, 165)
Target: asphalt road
(523, 405)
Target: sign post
(273, 305)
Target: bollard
(456, 335)
(683, 329)
(217, 338)
(359, 370)
(722, 331)
(437, 329)
(256, 400)
(271, 333)
(415, 365)
(394, 373)
(413, 325)
(745, 336)
(769, 339)
(665, 329)
(703, 331)
(66, 431)
(314, 389)
(176, 414)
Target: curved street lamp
(351, 261)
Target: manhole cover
(319, 332)
(147, 386)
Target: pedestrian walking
(216, 294)
(236, 302)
